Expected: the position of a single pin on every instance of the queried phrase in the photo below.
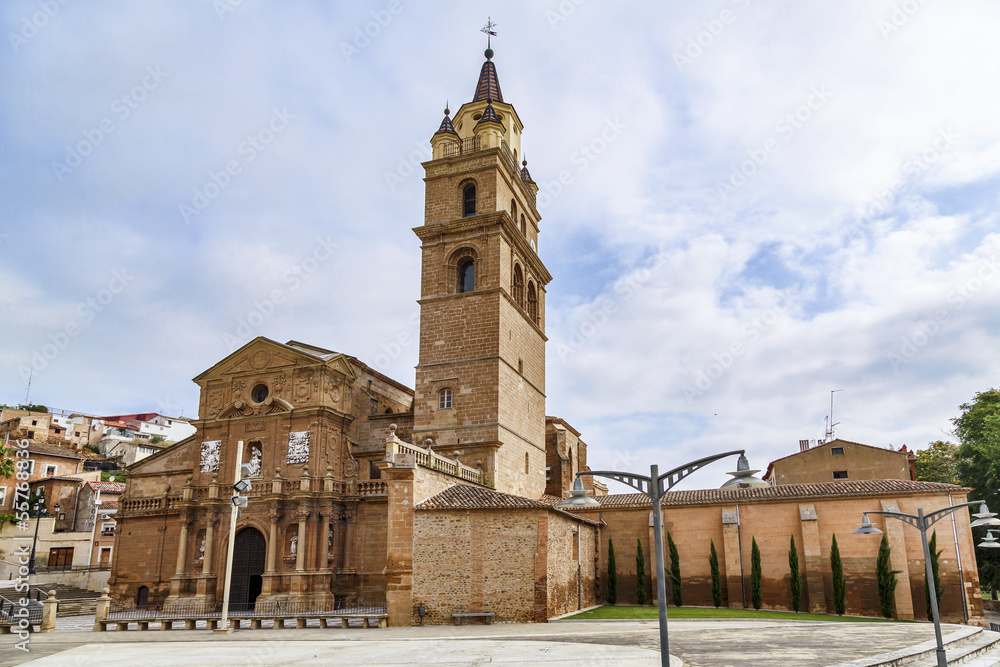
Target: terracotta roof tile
(488, 86)
(53, 450)
(107, 487)
(875, 487)
(466, 496)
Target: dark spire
(446, 125)
(488, 87)
(489, 115)
(525, 176)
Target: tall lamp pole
(40, 512)
(654, 486)
(923, 522)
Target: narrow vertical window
(532, 303)
(526, 462)
(466, 275)
(518, 286)
(513, 211)
(524, 226)
(444, 399)
(468, 200)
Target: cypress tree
(756, 599)
(612, 574)
(839, 585)
(675, 572)
(640, 574)
(713, 565)
(886, 577)
(794, 579)
(938, 588)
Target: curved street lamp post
(923, 522)
(654, 487)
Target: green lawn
(635, 611)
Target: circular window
(259, 393)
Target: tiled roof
(488, 87)
(489, 116)
(447, 127)
(53, 450)
(849, 489)
(526, 177)
(107, 487)
(111, 505)
(466, 496)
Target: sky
(745, 205)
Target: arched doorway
(250, 553)
(142, 597)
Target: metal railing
(9, 609)
(469, 145)
(995, 627)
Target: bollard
(49, 609)
(102, 608)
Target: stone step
(975, 650)
(77, 607)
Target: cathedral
(441, 498)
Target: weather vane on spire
(488, 29)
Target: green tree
(713, 565)
(935, 571)
(640, 573)
(756, 599)
(612, 574)
(794, 578)
(886, 577)
(156, 439)
(675, 572)
(839, 585)
(8, 464)
(977, 464)
(936, 463)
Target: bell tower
(480, 380)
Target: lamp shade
(744, 477)
(577, 497)
(989, 542)
(866, 527)
(985, 518)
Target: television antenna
(830, 424)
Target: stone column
(348, 548)
(208, 566)
(732, 558)
(399, 552)
(182, 546)
(302, 515)
(903, 597)
(324, 539)
(814, 565)
(101, 609)
(273, 516)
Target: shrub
(612, 574)
(713, 564)
(794, 579)
(640, 574)
(886, 577)
(839, 585)
(756, 599)
(675, 572)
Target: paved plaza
(693, 643)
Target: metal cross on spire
(488, 29)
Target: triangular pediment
(264, 355)
(169, 460)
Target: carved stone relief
(210, 455)
(298, 447)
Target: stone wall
(515, 563)
(813, 524)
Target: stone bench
(486, 616)
(190, 623)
